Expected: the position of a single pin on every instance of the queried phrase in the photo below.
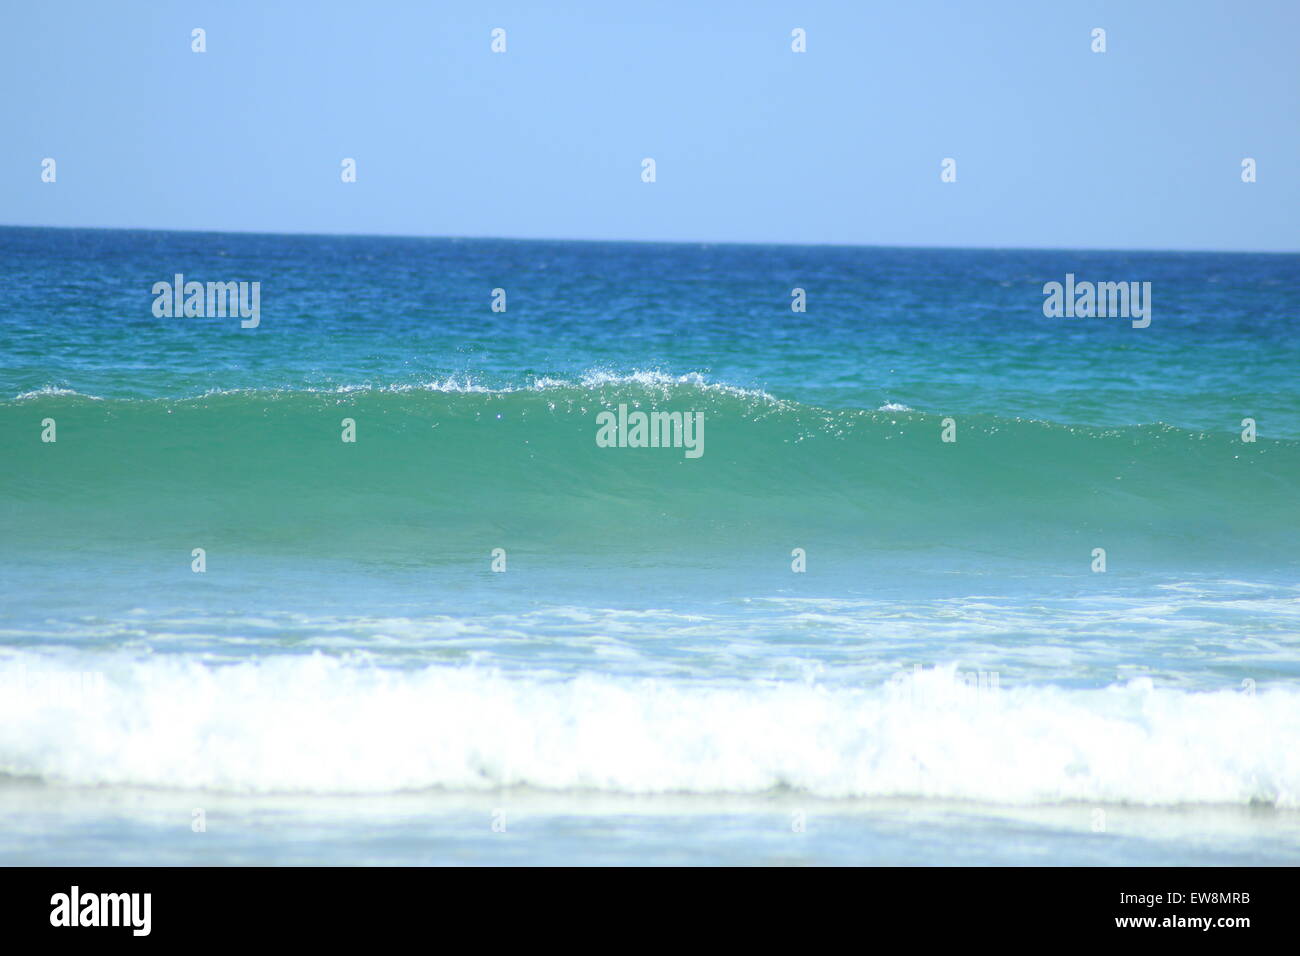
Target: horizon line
(663, 242)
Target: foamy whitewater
(324, 724)
(649, 680)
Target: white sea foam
(465, 383)
(659, 379)
(325, 724)
(591, 379)
(54, 390)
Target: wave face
(450, 467)
(329, 725)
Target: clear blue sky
(1139, 147)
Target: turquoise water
(648, 680)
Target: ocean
(949, 581)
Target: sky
(1056, 146)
